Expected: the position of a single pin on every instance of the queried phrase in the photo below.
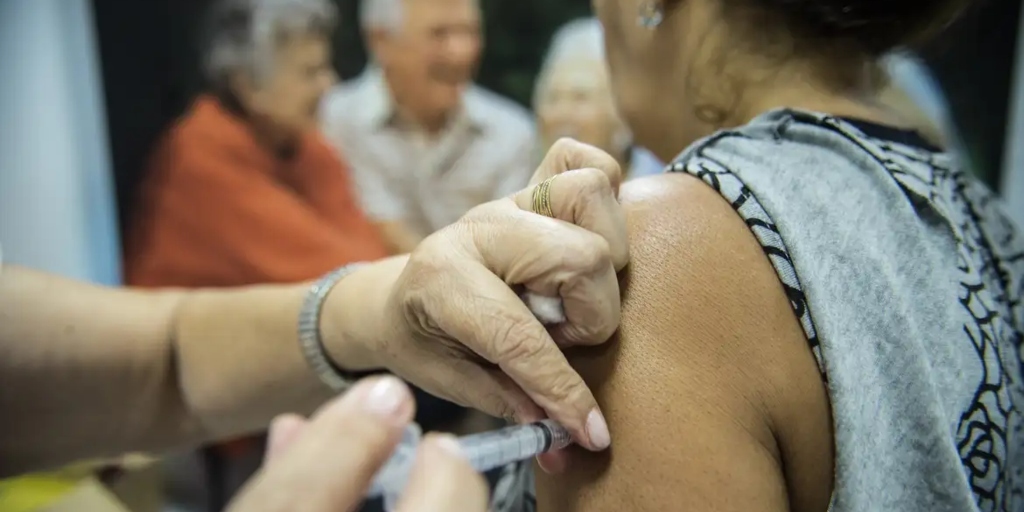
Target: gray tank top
(906, 277)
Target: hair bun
(877, 25)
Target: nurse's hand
(450, 321)
(326, 464)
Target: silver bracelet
(310, 339)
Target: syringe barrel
(485, 451)
(489, 450)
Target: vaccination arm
(88, 371)
(712, 395)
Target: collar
(222, 122)
(377, 106)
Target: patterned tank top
(906, 277)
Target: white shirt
(401, 174)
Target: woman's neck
(794, 94)
(859, 105)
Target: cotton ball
(547, 309)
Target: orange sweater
(218, 209)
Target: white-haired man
(424, 142)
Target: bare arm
(712, 394)
(87, 371)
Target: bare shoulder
(710, 383)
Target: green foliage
(517, 34)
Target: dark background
(150, 63)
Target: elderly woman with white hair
(573, 98)
(243, 189)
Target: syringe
(485, 451)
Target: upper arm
(712, 395)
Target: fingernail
(386, 398)
(449, 444)
(597, 430)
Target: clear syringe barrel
(489, 450)
(484, 451)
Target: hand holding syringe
(485, 451)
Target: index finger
(568, 155)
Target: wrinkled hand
(463, 332)
(327, 463)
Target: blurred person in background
(425, 143)
(243, 189)
(573, 98)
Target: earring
(650, 15)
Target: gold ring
(542, 198)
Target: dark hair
(844, 39)
(872, 26)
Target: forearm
(238, 351)
(86, 371)
(91, 372)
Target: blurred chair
(573, 98)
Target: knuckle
(593, 254)
(431, 254)
(565, 389)
(566, 145)
(609, 166)
(604, 330)
(484, 211)
(592, 181)
(499, 408)
(581, 155)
